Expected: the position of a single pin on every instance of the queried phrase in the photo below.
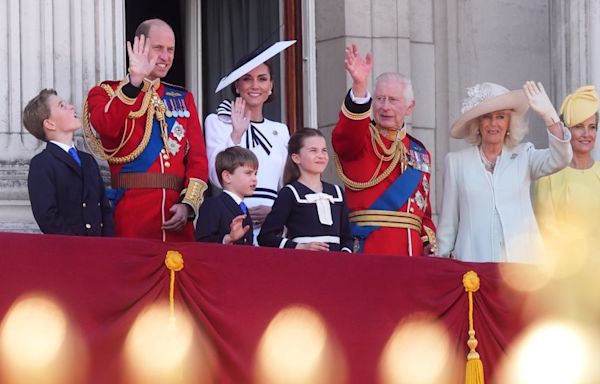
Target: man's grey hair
(405, 80)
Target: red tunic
(141, 212)
(352, 144)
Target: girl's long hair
(291, 171)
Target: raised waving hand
(359, 69)
(140, 63)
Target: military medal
(167, 111)
(173, 146)
(186, 113)
(420, 200)
(178, 131)
(174, 110)
(426, 185)
(419, 160)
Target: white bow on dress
(323, 201)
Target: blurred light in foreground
(549, 353)
(558, 257)
(294, 349)
(36, 345)
(523, 277)
(160, 350)
(418, 352)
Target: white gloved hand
(540, 103)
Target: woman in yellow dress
(567, 203)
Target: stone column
(570, 22)
(61, 44)
(575, 48)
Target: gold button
(101, 225)
(166, 157)
(412, 209)
(163, 151)
(98, 203)
(167, 164)
(83, 205)
(88, 226)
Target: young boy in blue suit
(225, 218)
(66, 190)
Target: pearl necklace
(488, 164)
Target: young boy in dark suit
(225, 218)
(66, 190)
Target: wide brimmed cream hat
(579, 105)
(485, 98)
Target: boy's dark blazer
(66, 198)
(214, 219)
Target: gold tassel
(474, 369)
(174, 262)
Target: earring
(507, 133)
(270, 92)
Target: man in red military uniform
(385, 170)
(151, 136)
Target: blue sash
(392, 199)
(171, 96)
(152, 150)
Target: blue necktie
(244, 208)
(74, 155)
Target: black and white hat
(253, 61)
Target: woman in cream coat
(486, 212)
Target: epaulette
(417, 141)
(110, 82)
(174, 86)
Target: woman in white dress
(242, 123)
(486, 212)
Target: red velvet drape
(233, 292)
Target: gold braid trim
(194, 194)
(355, 116)
(430, 236)
(123, 97)
(396, 153)
(151, 105)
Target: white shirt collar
(235, 197)
(64, 146)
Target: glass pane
(230, 30)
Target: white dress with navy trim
(300, 215)
(267, 139)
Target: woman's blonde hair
(517, 129)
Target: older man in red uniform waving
(385, 170)
(151, 136)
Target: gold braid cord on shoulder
(149, 106)
(396, 153)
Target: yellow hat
(579, 106)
